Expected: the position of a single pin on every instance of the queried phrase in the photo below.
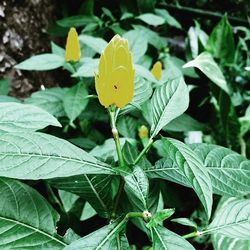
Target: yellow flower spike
(73, 51)
(143, 132)
(114, 82)
(157, 70)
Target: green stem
(191, 235)
(112, 114)
(132, 215)
(144, 151)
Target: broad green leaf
(4, 98)
(221, 242)
(75, 101)
(88, 68)
(164, 239)
(96, 189)
(192, 167)
(129, 152)
(4, 86)
(68, 199)
(151, 19)
(170, 20)
(42, 62)
(159, 217)
(103, 238)
(145, 73)
(17, 117)
(184, 123)
(222, 34)
(136, 187)
(142, 93)
(206, 64)
(87, 212)
(232, 219)
(168, 102)
(96, 43)
(229, 171)
(127, 126)
(57, 50)
(33, 156)
(152, 37)
(50, 100)
(138, 45)
(185, 222)
(77, 21)
(27, 221)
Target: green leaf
(159, 217)
(68, 199)
(206, 64)
(191, 166)
(4, 98)
(232, 219)
(17, 117)
(152, 37)
(136, 187)
(33, 156)
(229, 171)
(222, 34)
(184, 123)
(221, 242)
(88, 68)
(143, 91)
(145, 73)
(77, 21)
(151, 19)
(57, 50)
(27, 221)
(75, 101)
(50, 100)
(96, 189)
(170, 20)
(168, 102)
(138, 45)
(103, 238)
(4, 86)
(87, 212)
(185, 222)
(42, 62)
(96, 43)
(127, 126)
(165, 240)
(129, 152)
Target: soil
(23, 33)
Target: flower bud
(143, 132)
(157, 70)
(73, 51)
(114, 82)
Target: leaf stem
(112, 113)
(191, 235)
(144, 151)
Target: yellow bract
(114, 82)
(73, 51)
(157, 70)
(143, 132)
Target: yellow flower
(115, 81)
(73, 51)
(157, 70)
(143, 132)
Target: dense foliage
(175, 175)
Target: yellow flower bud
(143, 132)
(73, 51)
(114, 82)
(157, 70)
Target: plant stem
(134, 215)
(191, 235)
(112, 114)
(144, 151)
